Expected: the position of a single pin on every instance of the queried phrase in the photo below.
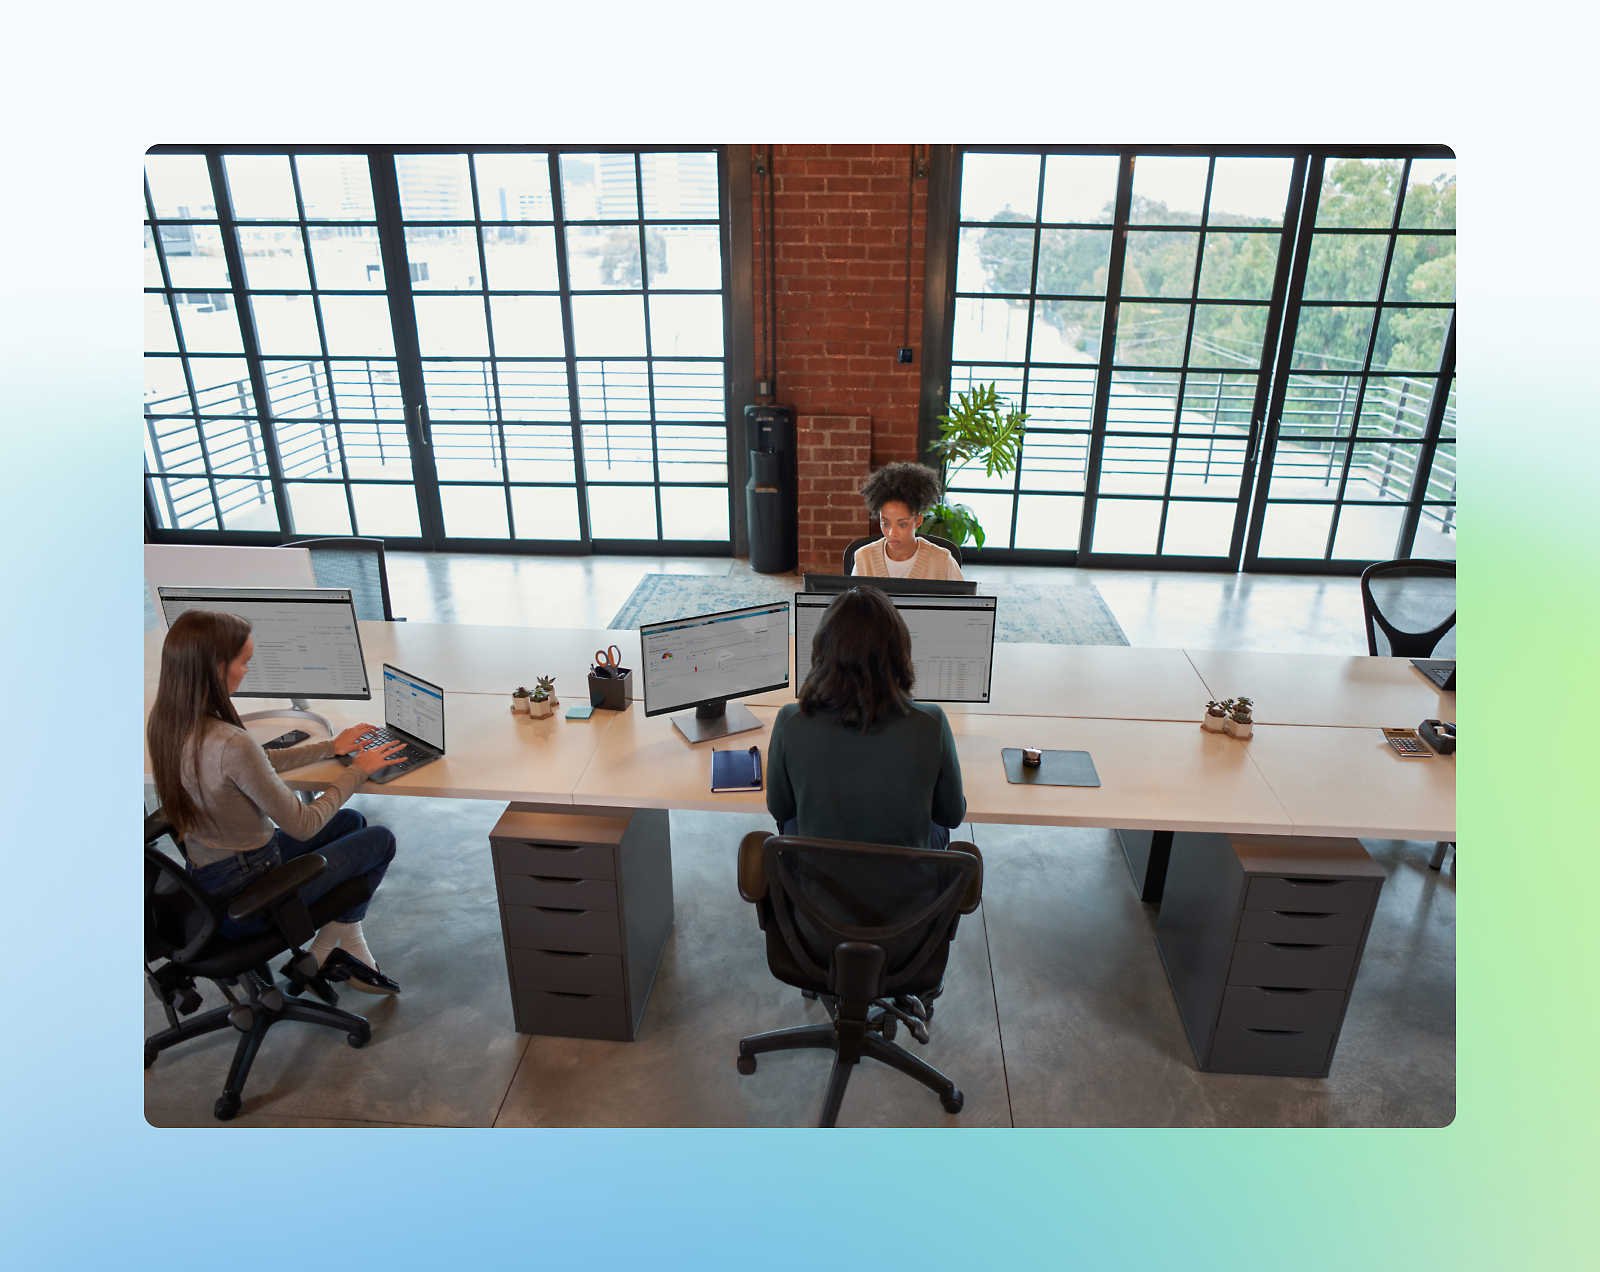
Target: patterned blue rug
(1025, 615)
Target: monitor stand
(298, 707)
(715, 720)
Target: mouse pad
(1056, 768)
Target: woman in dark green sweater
(857, 757)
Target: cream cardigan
(932, 562)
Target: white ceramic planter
(1240, 731)
(539, 710)
(1213, 724)
(519, 705)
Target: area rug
(1025, 614)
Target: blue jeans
(351, 847)
(938, 836)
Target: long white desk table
(1134, 710)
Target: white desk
(1363, 693)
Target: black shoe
(298, 984)
(341, 965)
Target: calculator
(1407, 744)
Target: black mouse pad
(1056, 768)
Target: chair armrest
(280, 883)
(752, 870)
(974, 893)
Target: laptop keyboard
(385, 735)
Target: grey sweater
(240, 795)
(884, 786)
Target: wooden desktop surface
(1135, 711)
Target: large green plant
(979, 429)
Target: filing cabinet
(1262, 936)
(585, 911)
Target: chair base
(358, 1033)
(806, 1037)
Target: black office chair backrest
(355, 562)
(180, 917)
(850, 552)
(826, 893)
(1409, 606)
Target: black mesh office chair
(1409, 605)
(355, 562)
(850, 552)
(866, 929)
(182, 923)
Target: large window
(1164, 318)
(442, 348)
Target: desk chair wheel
(150, 1057)
(360, 1037)
(954, 1103)
(808, 993)
(226, 1107)
(747, 1065)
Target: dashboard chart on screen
(692, 661)
(952, 642)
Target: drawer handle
(1294, 945)
(556, 993)
(565, 953)
(1276, 1033)
(554, 847)
(1312, 883)
(553, 909)
(1303, 914)
(1278, 989)
(554, 879)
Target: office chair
(355, 562)
(182, 924)
(850, 552)
(1409, 606)
(865, 929)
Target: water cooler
(772, 500)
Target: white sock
(352, 941)
(327, 938)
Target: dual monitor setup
(703, 662)
(308, 645)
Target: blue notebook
(736, 770)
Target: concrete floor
(1057, 1011)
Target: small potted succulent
(543, 701)
(1215, 719)
(1239, 722)
(519, 700)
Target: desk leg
(1147, 853)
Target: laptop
(1442, 671)
(413, 713)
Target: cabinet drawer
(573, 931)
(561, 894)
(540, 1011)
(559, 861)
(1258, 1051)
(1320, 896)
(1292, 966)
(567, 973)
(1253, 1007)
(1302, 929)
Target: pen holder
(611, 693)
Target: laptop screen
(413, 706)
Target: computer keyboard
(382, 737)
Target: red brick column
(839, 243)
(835, 453)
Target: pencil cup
(611, 693)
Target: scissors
(608, 662)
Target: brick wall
(839, 242)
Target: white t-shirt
(899, 569)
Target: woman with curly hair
(898, 495)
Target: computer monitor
(702, 662)
(307, 642)
(835, 583)
(952, 642)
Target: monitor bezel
(644, 684)
(832, 584)
(328, 595)
(988, 686)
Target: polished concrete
(1057, 1011)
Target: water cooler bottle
(771, 495)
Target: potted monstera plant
(979, 429)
